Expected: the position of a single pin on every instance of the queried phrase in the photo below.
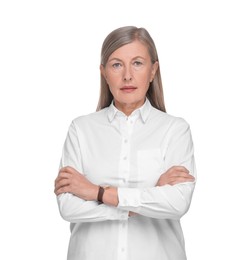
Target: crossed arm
(169, 199)
(71, 181)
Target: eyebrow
(114, 59)
(117, 59)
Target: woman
(127, 170)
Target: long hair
(117, 39)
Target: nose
(127, 79)
(127, 74)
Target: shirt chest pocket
(150, 166)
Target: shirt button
(123, 249)
(125, 141)
(125, 158)
(123, 181)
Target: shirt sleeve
(166, 202)
(71, 207)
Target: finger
(179, 168)
(68, 169)
(181, 180)
(178, 174)
(62, 175)
(62, 183)
(61, 190)
(176, 169)
(184, 175)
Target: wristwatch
(101, 192)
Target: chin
(131, 100)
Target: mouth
(128, 89)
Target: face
(128, 73)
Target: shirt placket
(126, 128)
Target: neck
(128, 108)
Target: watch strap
(100, 194)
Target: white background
(49, 74)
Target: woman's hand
(70, 180)
(175, 175)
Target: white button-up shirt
(128, 152)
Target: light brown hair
(117, 39)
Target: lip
(128, 89)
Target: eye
(137, 63)
(116, 65)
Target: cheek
(113, 79)
(112, 85)
(144, 80)
(112, 90)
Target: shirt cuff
(120, 214)
(129, 198)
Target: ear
(154, 70)
(102, 70)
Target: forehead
(131, 50)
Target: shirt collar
(144, 111)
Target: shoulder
(95, 117)
(168, 120)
